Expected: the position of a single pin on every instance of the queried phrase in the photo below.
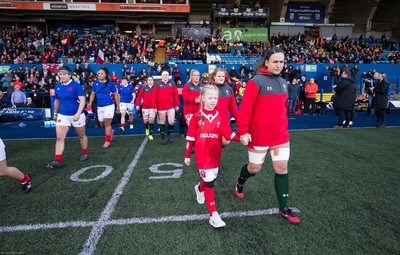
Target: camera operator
(368, 84)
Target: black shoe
(220, 169)
(169, 138)
(163, 141)
(26, 187)
(54, 164)
(381, 126)
(84, 157)
(239, 189)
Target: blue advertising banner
(8, 114)
(305, 13)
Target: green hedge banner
(245, 34)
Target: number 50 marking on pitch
(167, 174)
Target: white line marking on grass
(70, 224)
(192, 217)
(98, 229)
(144, 220)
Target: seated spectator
(19, 83)
(6, 80)
(18, 98)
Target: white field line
(45, 226)
(98, 229)
(193, 217)
(143, 220)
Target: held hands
(197, 100)
(138, 107)
(245, 139)
(177, 108)
(187, 161)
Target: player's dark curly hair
(105, 69)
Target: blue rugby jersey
(103, 95)
(68, 97)
(126, 93)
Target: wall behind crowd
(311, 71)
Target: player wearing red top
(226, 98)
(167, 102)
(206, 130)
(147, 99)
(263, 127)
(191, 95)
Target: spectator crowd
(56, 49)
(23, 46)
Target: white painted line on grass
(192, 217)
(70, 224)
(143, 220)
(98, 229)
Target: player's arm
(91, 99)
(189, 146)
(227, 132)
(139, 98)
(115, 95)
(188, 97)
(56, 108)
(133, 98)
(116, 99)
(118, 94)
(185, 94)
(233, 109)
(190, 137)
(82, 102)
(176, 98)
(246, 108)
(155, 93)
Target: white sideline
(143, 220)
(98, 229)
